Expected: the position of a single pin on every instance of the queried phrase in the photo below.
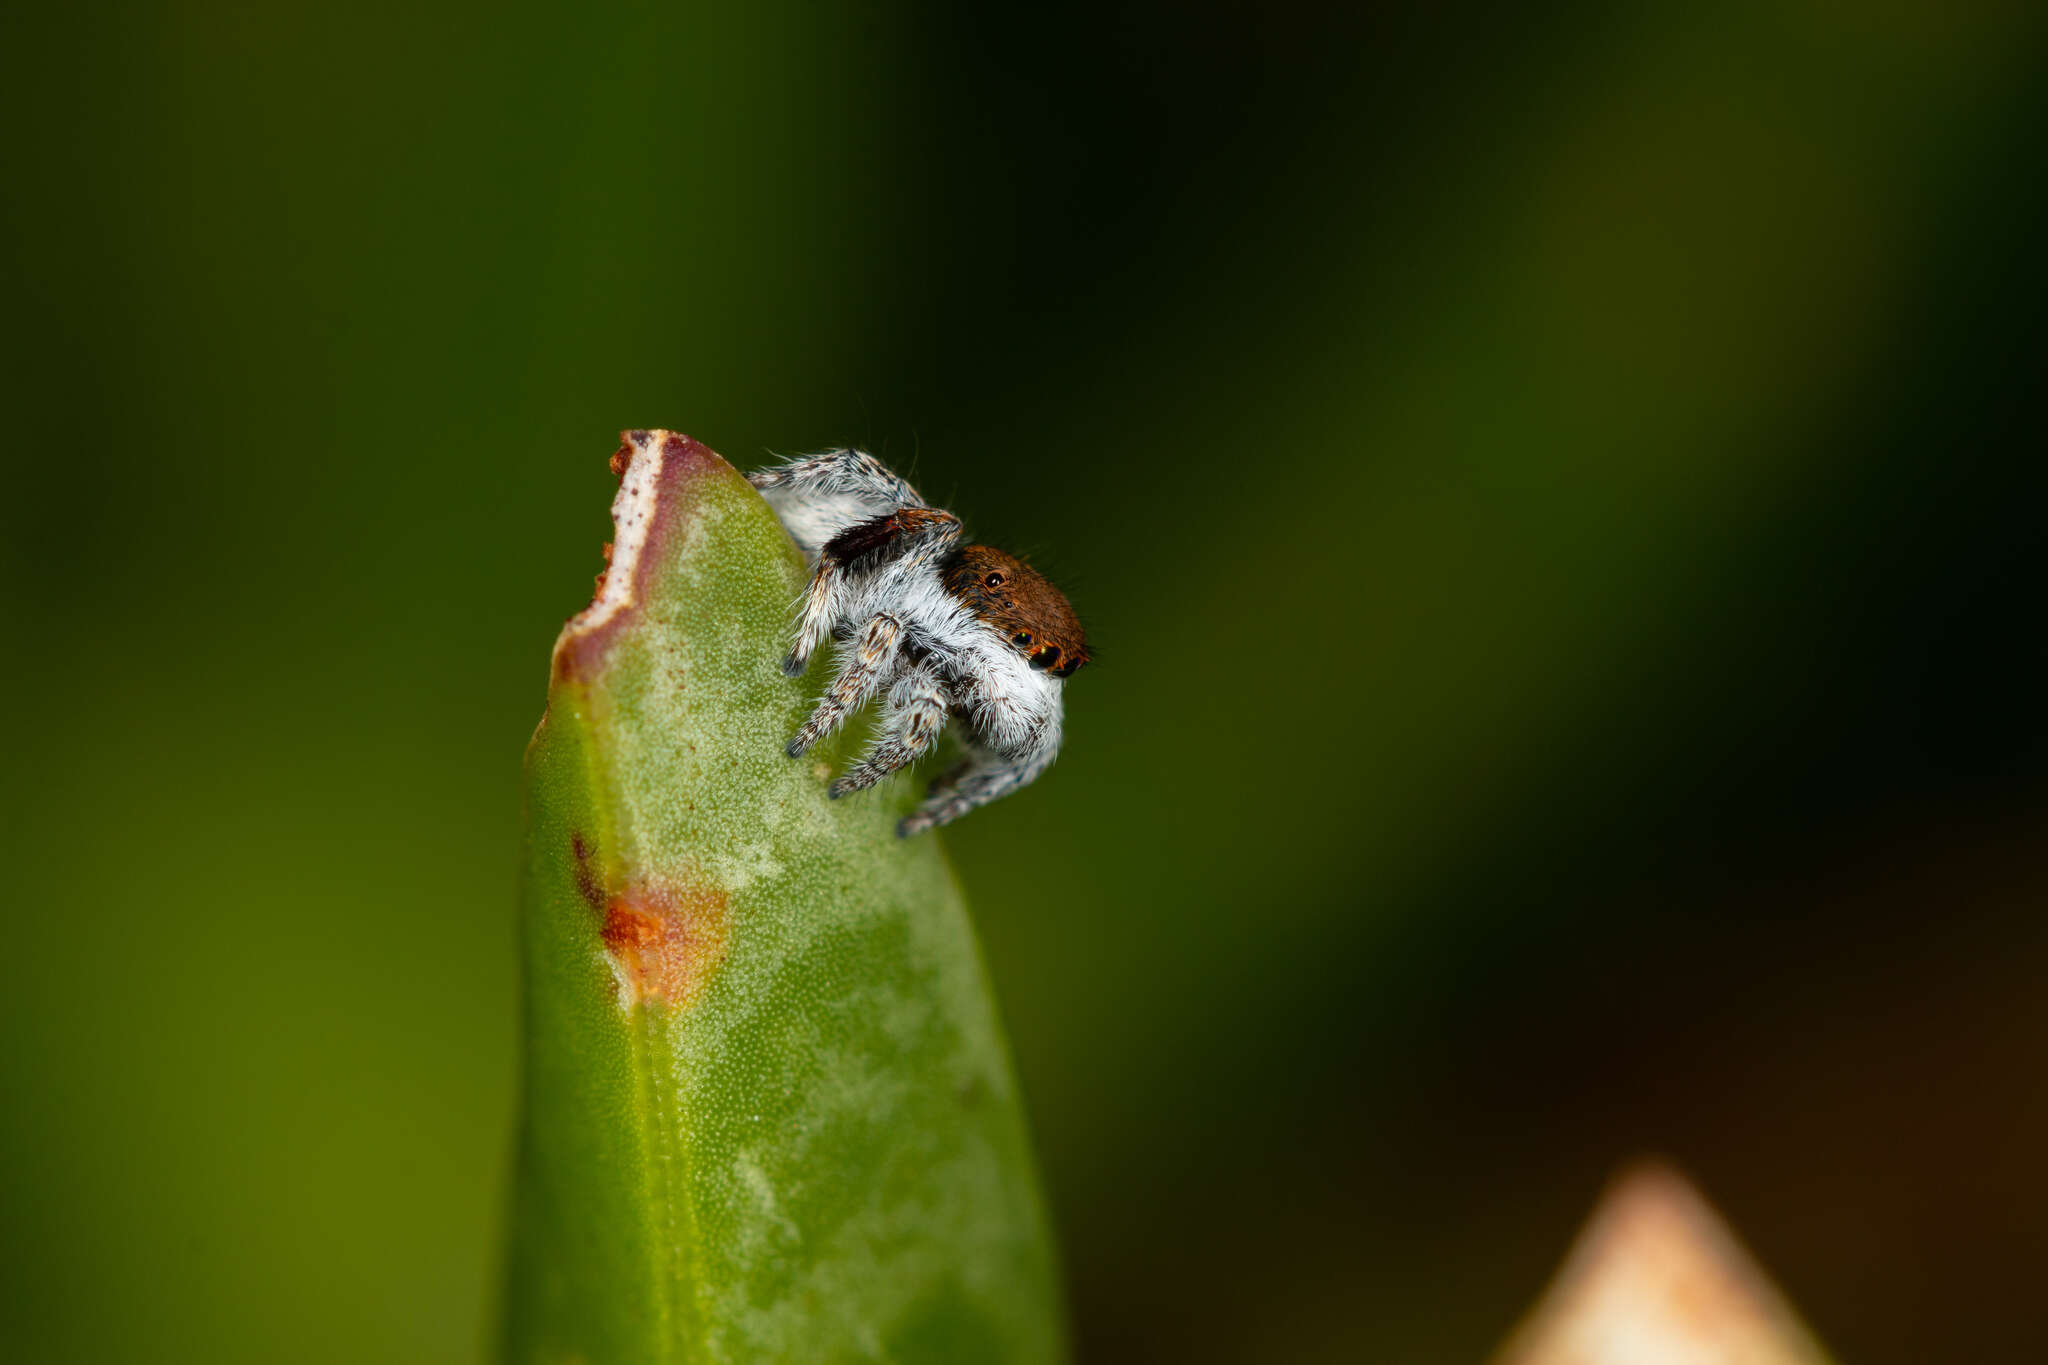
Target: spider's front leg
(916, 716)
(866, 665)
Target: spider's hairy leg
(983, 782)
(839, 473)
(867, 663)
(898, 544)
(822, 605)
(915, 718)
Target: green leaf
(769, 1112)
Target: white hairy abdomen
(814, 518)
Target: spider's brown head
(1017, 600)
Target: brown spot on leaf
(665, 940)
(604, 573)
(589, 882)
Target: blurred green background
(1556, 495)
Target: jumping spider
(938, 628)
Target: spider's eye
(993, 580)
(1047, 657)
(1022, 638)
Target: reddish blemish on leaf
(665, 941)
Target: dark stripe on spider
(882, 536)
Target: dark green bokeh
(1555, 497)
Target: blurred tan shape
(1657, 1278)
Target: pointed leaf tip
(1656, 1278)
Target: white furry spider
(937, 627)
